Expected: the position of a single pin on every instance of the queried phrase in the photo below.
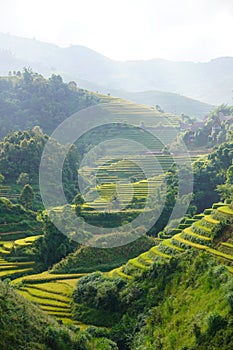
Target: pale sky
(195, 30)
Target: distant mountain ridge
(210, 82)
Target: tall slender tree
(27, 196)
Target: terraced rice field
(125, 179)
(136, 113)
(200, 234)
(14, 269)
(52, 293)
(5, 191)
(142, 159)
(12, 266)
(124, 193)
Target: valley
(111, 288)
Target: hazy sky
(195, 30)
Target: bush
(230, 300)
(57, 338)
(214, 323)
(96, 291)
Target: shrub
(230, 300)
(57, 338)
(214, 323)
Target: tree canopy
(28, 99)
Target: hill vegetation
(27, 99)
(170, 297)
(182, 303)
(88, 259)
(25, 327)
(20, 159)
(216, 129)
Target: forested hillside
(28, 99)
(214, 130)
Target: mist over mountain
(209, 82)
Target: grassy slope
(194, 292)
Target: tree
(226, 190)
(27, 196)
(23, 179)
(1, 178)
(97, 291)
(230, 175)
(54, 245)
(78, 201)
(28, 75)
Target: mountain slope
(169, 102)
(207, 81)
(25, 326)
(27, 99)
(175, 296)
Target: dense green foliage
(21, 153)
(53, 246)
(217, 129)
(226, 190)
(27, 99)
(89, 259)
(15, 214)
(168, 307)
(209, 173)
(27, 196)
(20, 157)
(97, 299)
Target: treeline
(28, 99)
